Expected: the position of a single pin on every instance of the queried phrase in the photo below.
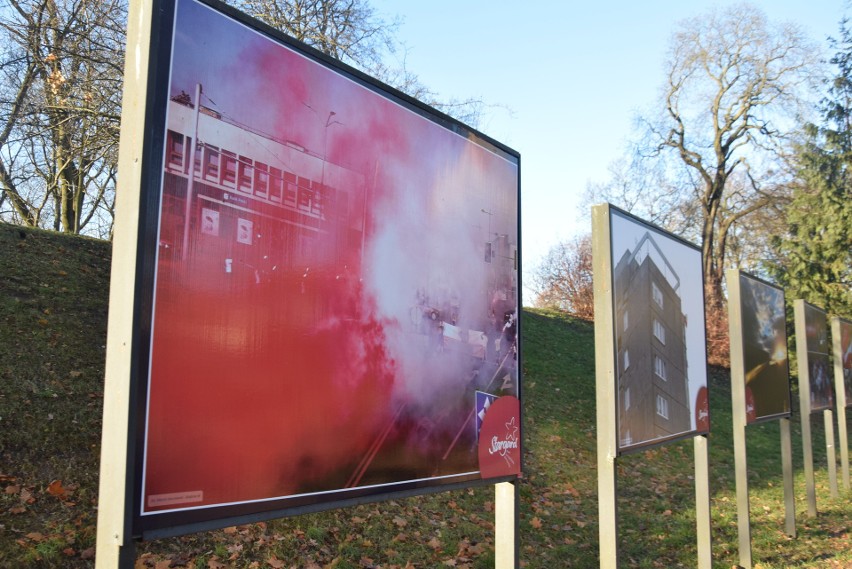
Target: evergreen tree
(815, 255)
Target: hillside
(53, 299)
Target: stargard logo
(506, 445)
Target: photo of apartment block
(650, 330)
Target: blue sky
(568, 78)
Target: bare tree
(61, 64)
(563, 280)
(61, 87)
(734, 86)
(353, 32)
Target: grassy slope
(53, 294)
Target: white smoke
(428, 252)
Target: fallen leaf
(275, 563)
(35, 536)
(56, 489)
(400, 522)
(27, 496)
(69, 551)
(88, 553)
(13, 489)
(536, 523)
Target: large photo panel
(661, 362)
(819, 365)
(336, 279)
(764, 342)
(844, 356)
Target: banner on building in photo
(332, 278)
(763, 336)
(819, 365)
(658, 327)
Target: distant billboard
(660, 360)
(333, 278)
(843, 355)
(819, 367)
(764, 346)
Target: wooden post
(115, 547)
(787, 467)
(840, 393)
(739, 412)
(607, 433)
(702, 502)
(506, 525)
(805, 404)
(830, 455)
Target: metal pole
(190, 184)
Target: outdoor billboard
(763, 336)
(332, 277)
(842, 329)
(819, 367)
(658, 312)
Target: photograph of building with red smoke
(336, 278)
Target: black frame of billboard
(637, 447)
(789, 414)
(157, 525)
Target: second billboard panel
(660, 367)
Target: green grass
(53, 298)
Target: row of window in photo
(231, 170)
(661, 401)
(659, 365)
(659, 330)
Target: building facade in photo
(650, 331)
